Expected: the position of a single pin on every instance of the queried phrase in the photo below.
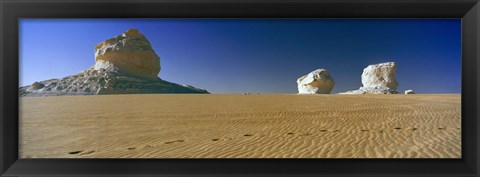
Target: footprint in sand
(369, 130)
(300, 134)
(414, 129)
(177, 141)
(397, 128)
(78, 152)
(442, 128)
(89, 152)
(132, 148)
(305, 134)
(75, 152)
(323, 130)
(215, 139)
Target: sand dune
(241, 126)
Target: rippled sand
(241, 126)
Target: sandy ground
(241, 126)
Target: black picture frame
(12, 10)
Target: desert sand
(241, 126)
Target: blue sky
(257, 55)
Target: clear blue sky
(257, 55)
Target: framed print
(244, 88)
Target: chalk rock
(378, 79)
(130, 53)
(37, 85)
(409, 92)
(317, 82)
(125, 64)
(378, 90)
(353, 92)
(380, 75)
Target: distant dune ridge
(124, 64)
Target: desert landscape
(241, 126)
(120, 108)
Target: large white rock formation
(317, 82)
(378, 79)
(124, 64)
(130, 53)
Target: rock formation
(380, 75)
(378, 79)
(37, 85)
(353, 92)
(124, 64)
(317, 82)
(130, 53)
(409, 92)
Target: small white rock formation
(378, 79)
(353, 92)
(317, 82)
(409, 92)
(130, 53)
